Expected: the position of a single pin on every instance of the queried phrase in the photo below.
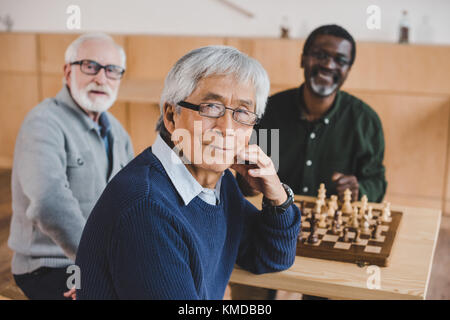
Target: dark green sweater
(348, 139)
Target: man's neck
(316, 106)
(206, 178)
(91, 114)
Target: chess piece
(300, 235)
(376, 230)
(369, 212)
(313, 238)
(338, 218)
(366, 224)
(347, 205)
(322, 220)
(346, 239)
(321, 194)
(302, 207)
(357, 236)
(355, 222)
(334, 228)
(332, 206)
(318, 207)
(364, 202)
(386, 212)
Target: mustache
(335, 75)
(95, 87)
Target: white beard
(321, 90)
(98, 105)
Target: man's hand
(343, 182)
(72, 293)
(261, 174)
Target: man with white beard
(68, 148)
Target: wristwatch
(267, 207)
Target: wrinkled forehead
(102, 51)
(224, 87)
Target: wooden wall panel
(401, 68)
(51, 84)
(151, 57)
(416, 135)
(280, 58)
(19, 94)
(18, 52)
(120, 111)
(143, 118)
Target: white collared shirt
(185, 184)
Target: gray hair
(200, 63)
(72, 49)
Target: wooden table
(406, 277)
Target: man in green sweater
(326, 135)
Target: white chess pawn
(387, 207)
(386, 212)
(322, 221)
(369, 212)
(363, 208)
(331, 210)
(332, 206)
(318, 207)
(322, 194)
(347, 206)
(355, 222)
(366, 224)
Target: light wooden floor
(439, 287)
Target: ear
(67, 71)
(168, 117)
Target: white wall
(211, 17)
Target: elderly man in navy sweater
(173, 223)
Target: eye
(342, 61)
(241, 111)
(214, 106)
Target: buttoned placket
(311, 143)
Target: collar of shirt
(185, 184)
(328, 116)
(103, 126)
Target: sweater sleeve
(158, 271)
(269, 241)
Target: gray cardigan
(59, 172)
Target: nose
(100, 78)
(328, 63)
(225, 122)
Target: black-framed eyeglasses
(91, 68)
(217, 110)
(323, 56)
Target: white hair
(200, 63)
(72, 50)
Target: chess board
(368, 251)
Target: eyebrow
(338, 54)
(215, 96)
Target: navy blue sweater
(142, 242)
